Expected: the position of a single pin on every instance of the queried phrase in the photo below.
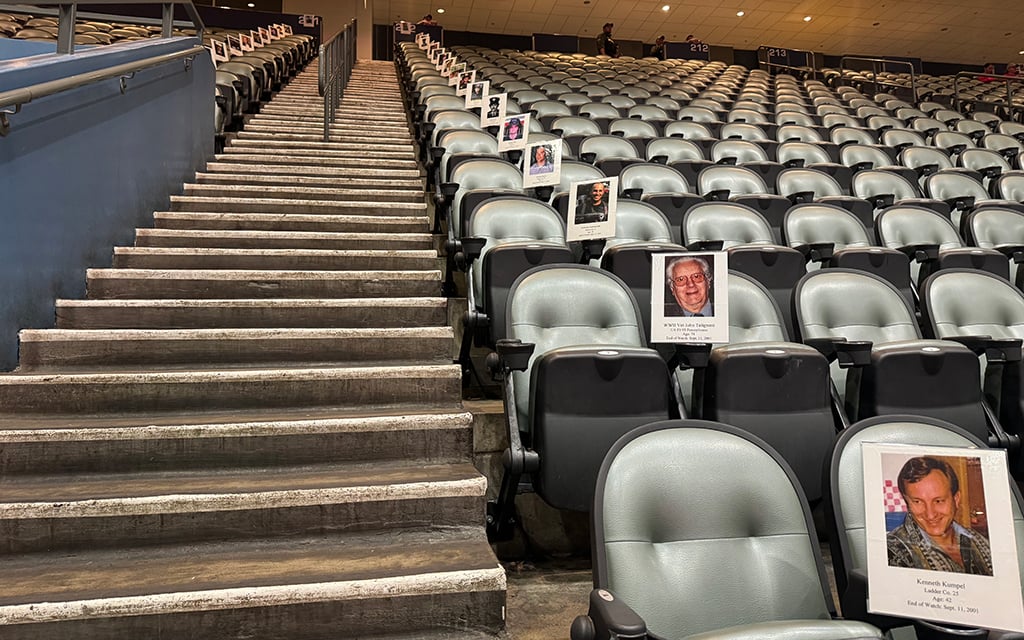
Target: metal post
(167, 28)
(66, 28)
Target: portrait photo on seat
(592, 208)
(514, 132)
(542, 164)
(941, 541)
(689, 301)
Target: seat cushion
(794, 630)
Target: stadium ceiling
(967, 31)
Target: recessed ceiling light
(251, 5)
(1021, 53)
(665, 8)
(440, 10)
(807, 18)
(740, 14)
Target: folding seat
(748, 155)
(600, 113)
(907, 113)
(456, 146)
(695, 113)
(990, 120)
(442, 121)
(681, 95)
(609, 153)
(743, 186)
(514, 86)
(796, 133)
(649, 113)
(714, 226)
(546, 111)
(685, 156)
(812, 156)
(638, 131)
(505, 237)
(952, 142)
(845, 512)
(837, 238)
(898, 139)
(885, 188)
(976, 130)
(743, 131)
(635, 92)
(933, 243)
(804, 185)
(472, 182)
(658, 506)
(577, 377)
(863, 157)
(832, 108)
(595, 90)
(989, 164)
(573, 129)
(662, 187)
(852, 135)
(1013, 129)
(620, 102)
(881, 365)
(796, 118)
(962, 193)
(1007, 146)
(666, 104)
(573, 100)
(554, 89)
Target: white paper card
(690, 297)
(592, 207)
(453, 73)
(492, 112)
(246, 40)
(514, 132)
(476, 94)
(218, 51)
(257, 38)
(942, 546)
(264, 35)
(465, 79)
(234, 45)
(542, 163)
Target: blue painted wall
(81, 169)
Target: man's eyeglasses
(697, 278)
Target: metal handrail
(972, 74)
(337, 58)
(18, 97)
(66, 12)
(876, 67)
(809, 55)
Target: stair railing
(878, 65)
(1009, 81)
(337, 57)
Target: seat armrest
(690, 355)
(926, 169)
(717, 195)
(882, 200)
(471, 248)
(849, 354)
(634, 193)
(1014, 252)
(801, 197)
(863, 166)
(727, 161)
(995, 350)
(659, 159)
(608, 617)
(962, 203)
(591, 249)
(816, 251)
(449, 189)
(515, 354)
(921, 252)
(706, 245)
(543, 193)
(794, 163)
(588, 157)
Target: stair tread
(218, 575)
(105, 335)
(229, 374)
(71, 495)
(283, 274)
(222, 424)
(257, 302)
(292, 218)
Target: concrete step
(55, 444)
(255, 313)
(367, 149)
(110, 510)
(308, 588)
(410, 184)
(273, 239)
(304, 192)
(294, 205)
(215, 283)
(367, 177)
(269, 124)
(373, 141)
(380, 227)
(352, 165)
(272, 259)
(395, 387)
(56, 350)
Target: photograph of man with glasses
(689, 280)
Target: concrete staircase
(252, 428)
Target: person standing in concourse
(606, 45)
